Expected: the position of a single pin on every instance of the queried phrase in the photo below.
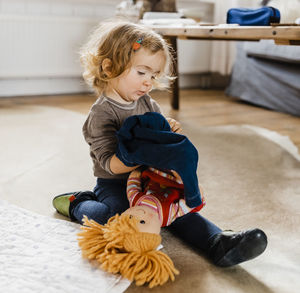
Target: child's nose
(148, 82)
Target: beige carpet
(251, 177)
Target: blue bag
(261, 16)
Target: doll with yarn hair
(128, 243)
(120, 247)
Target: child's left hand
(175, 125)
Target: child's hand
(175, 125)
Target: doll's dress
(162, 192)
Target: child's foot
(62, 202)
(230, 248)
(65, 203)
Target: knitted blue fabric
(148, 140)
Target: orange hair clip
(137, 44)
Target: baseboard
(43, 86)
(207, 80)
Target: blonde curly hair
(114, 40)
(119, 247)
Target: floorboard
(201, 107)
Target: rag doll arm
(184, 209)
(178, 209)
(134, 186)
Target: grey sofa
(267, 75)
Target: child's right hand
(118, 167)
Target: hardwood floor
(200, 107)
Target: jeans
(111, 199)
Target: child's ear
(106, 66)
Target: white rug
(40, 254)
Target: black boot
(230, 248)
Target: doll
(128, 243)
(159, 194)
(120, 247)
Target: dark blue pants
(111, 199)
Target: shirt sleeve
(99, 131)
(155, 106)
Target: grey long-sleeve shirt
(104, 120)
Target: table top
(281, 34)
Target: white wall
(193, 55)
(39, 43)
(40, 39)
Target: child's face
(137, 81)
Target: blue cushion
(262, 16)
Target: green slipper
(62, 203)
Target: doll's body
(157, 196)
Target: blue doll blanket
(148, 140)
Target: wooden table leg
(175, 84)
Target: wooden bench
(281, 34)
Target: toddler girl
(123, 62)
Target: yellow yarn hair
(120, 248)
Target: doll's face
(148, 220)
